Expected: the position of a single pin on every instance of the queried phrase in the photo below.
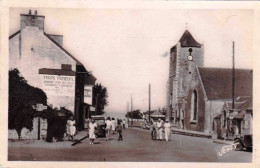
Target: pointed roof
(187, 40)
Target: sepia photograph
(130, 85)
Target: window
(194, 106)
(224, 119)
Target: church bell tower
(184, 57)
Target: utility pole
(149, 102)
(233, 77)
(132, 111)
(96, 104)
(127, 112)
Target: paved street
(136, 146)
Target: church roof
(187, 40)
(243, 103)
(217, 82)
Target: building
(197, 94)
(231, 123)
(44, 63)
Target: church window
(194, 105)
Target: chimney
(29, 20)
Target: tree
(100, 98)
(22, 97)
(134, 114)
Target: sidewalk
(44, 144)
(190, 133)
(219, 141)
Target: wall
(199, 124)
(26, 134)
(247, 124)
(180, 73)
(213, 108)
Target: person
(113, 125)
(153, 131)
(108, 128)
(167, 129)
(92, 126)
(160, 129)
(71, 129)
(119, 129)
(124, 122)
(156, 129)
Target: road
(137, 146)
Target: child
(119, 129)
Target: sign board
(58, 85)
(88, 93)
(92, 108)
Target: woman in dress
(113, 125)
(108, 128)
(92, 127)
(167, 129)
(71, 129)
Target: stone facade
(180, 73)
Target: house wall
(31, 50)
(247, 124)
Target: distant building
(44, 63)
(197, 94)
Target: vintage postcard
(102, 84)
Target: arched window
(194, 106)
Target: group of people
(157, 128)
(111, 126)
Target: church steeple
(187, 40)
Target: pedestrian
(92, 126)
(167, 129)
(160, 129)
(108, 128)
(113, 125)
(71, 129)
(119, 129)
(156, 129)
(124, 122)
(153, 131)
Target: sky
(126, 49)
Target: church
(196, 94)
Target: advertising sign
(58, 85)
(88, 92)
